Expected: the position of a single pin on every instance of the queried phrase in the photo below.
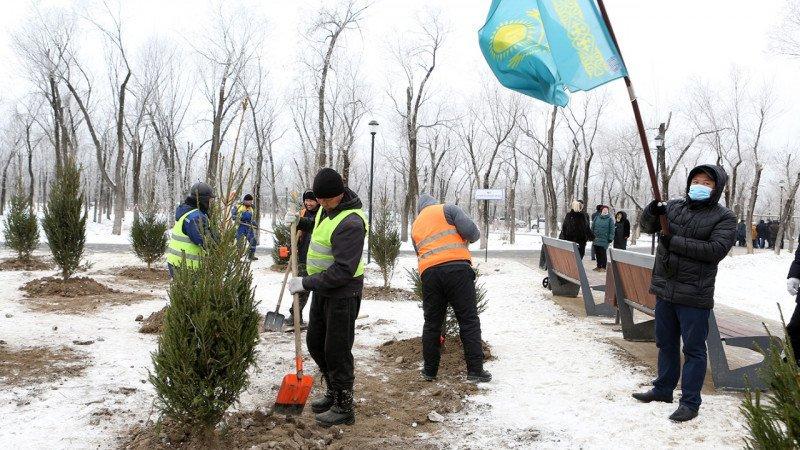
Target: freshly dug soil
(76, 295)
(154, 322)
(388, 294)
(31, 365)
(144, 274)
(392, 407)
(280, 268)
(30, 264)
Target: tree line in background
(146, 122)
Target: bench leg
(560, 286)
(747, 377)
(632, 331)
(592, 309)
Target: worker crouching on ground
(441, 235)
(309, 210)
(187, 237)
(336, 278)
(701, 233)
(244, 214)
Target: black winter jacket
(347, 242)
(703, 233)
(794, 270)
(305, 237)
(575, 228)
(622, 232)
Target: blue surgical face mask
(698, 192)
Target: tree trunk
(752, 206)
(551, 199)
(786, 215)
(4, 183)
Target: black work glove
(665, 240)
(657, 208)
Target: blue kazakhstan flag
(544, 48)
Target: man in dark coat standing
(701, 233)
(793, 285)
(575, 227)
(309, 210)
(335, 266)
(762, 232)
(741, 233)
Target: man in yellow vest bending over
(191, 225)
(441, 236)
(335, 267)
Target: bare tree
(417, 63)
(545, 160)
(764, 113)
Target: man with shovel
(441, 235)
(336, 277)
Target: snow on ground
(557, 383)
(755, 283)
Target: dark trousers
(452, 285)
(793, 330)
(330, 335)
(673, 323)
(600, 254)
(582, 249)
(301, 272)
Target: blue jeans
(673, 323)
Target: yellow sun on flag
(521, 37)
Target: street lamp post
(373, 128)
(659, 141)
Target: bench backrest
(561, 256)
(632, 274)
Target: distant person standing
(594, 216)
(762, 232)
(772, 230)
(741, 233)
(309, 210)
(754, 234)
(603, 230)
(793, 285)
(245, 216)
(575, 227)
(622, 231)
(701, 233)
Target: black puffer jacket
(622, 232)
(575, 228)
(703, 233)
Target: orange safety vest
(437, 241)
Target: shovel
(274, 320)
(295, 387)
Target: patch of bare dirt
(31, 365)
(388, 294)
(144, 274)
(75, 295)
(31, 264)
(280, 268)
(393, 406)
(154, 322)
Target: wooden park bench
(567, 276)
(632, 272)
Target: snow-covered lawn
(557, 382)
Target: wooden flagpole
(639, 123)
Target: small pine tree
(209, 334)
(64, 220)
(280, 239)
(774, 420)
(385, 241)
(148, 236)
(451, 323)
(21, 228)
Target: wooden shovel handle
(296, 298)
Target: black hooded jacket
(347, 241)
(622, 231)
(703, 233)
(575, 228)
(794, 269)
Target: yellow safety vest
(181, 248)
(320, 250)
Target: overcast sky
(665, 45)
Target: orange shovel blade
(293, 394)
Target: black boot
(341, 413)
(650, 396)
(324, 402)
(683, 414)
(479, 376)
